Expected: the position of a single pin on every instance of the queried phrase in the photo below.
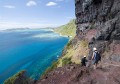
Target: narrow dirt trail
(107, 73)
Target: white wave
(48, 35)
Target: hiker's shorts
(95, 62)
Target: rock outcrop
(19, 78)
(102, 15)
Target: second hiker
(83, 61)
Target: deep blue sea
(32, 50)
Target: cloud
(9, 6)
(31, 3)
(51, 4)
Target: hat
(94, 49)
(84, 56)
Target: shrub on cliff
(66, 61)
(69, 44)
(18, 78)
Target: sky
(35, 13)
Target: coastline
(60, 34)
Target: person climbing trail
(83, 61)
(95, 57)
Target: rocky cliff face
(102, 15)
(98, 22)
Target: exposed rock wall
(98, 22)
(102, 15)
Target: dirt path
(106, 73)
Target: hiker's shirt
(94, 54)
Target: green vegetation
(76, 51)
(84, 43)
(15, 77)
(68, 29)
(66, 61)
(69, 45)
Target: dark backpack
(97, 56)
(83, 61)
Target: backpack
(83, 61)
(97, 56)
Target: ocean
(32, 50)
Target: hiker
(96, 57)
(83, 61)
